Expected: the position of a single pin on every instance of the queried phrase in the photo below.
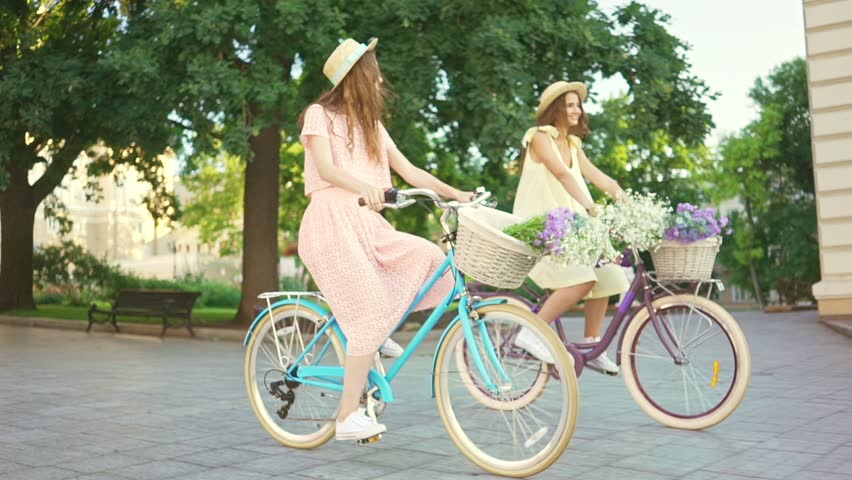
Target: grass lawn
(200, 316)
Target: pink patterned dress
(368, 271)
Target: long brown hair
(360, 96)
(556, 116)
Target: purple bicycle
(684, 358)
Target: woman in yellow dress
(553, 174)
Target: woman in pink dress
(368, 272)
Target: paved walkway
(104, 406)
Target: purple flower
(557, 226)
(689, 224)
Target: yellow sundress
(540, 192)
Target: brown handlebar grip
(390, 197)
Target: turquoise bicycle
(294, 371)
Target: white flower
(588, 244)
(638, 220)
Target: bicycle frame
(325, 376)
(641, 288)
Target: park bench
(165, 304)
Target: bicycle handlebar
(397, 199)
(390, 197)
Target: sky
(731, 43)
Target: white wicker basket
(487, 254)
(686, 261)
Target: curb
(406, 333)
(839, 324)
(202, 333)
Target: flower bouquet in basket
(691, 240)
(566, 237)
(637, 220)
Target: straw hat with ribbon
(344, 57)
(553, 92)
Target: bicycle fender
(307, 303)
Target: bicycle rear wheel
(517, 438)
(295, 414)
(706, 383)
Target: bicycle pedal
(369, 440)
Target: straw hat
(344, 57)
(553, 92)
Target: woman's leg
(354, 379)
(556, 304)
(350, 424)
(561, 300)
(595, 311)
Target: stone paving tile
(166, 451)
(39, 473)
(706, 475)
(346, 469)
(6, 467)
(228, 473)
(93, 464)
(35, 456)
(157, 470)
(281, 464)
(220, 458)
(99, 476)
(410, 473)
(177, 409)
(399, 457)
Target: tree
(229, 68)
(468, 75)
(673, 168)
(216, 204)
(61, 96)
(768, 167)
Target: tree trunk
(17, 217)
(755, 280)
(260, 217)
(752, 266)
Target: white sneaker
(358, 426)
(390, 349)
(603, 364)
(527, 340)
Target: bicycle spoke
(524, 418)
(684, 387)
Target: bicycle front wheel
(709, 377)
(511, 438)
(295, 414)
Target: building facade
(828, 33)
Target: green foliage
(656, 161)
(71, 270)
(768, 167)
(213, 294)
(467, 76)
(217, 201)
(62, 93)
(528, 230)
(66, 273)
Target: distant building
(117, 225)
(119, 229)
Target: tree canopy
(768, 167)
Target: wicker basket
(686, 261)
(487, 254)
